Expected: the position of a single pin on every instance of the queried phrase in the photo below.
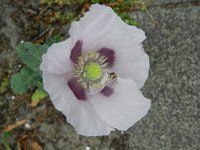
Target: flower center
(92, 71)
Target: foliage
(4, 139)
(22, 81)
(4, 85)
(37, 96)
(55, 39)
(62, 18)
(62, 2)
(30, 54)
(121, 7)
(30, 75)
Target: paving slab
(168, 2)
(174, 81)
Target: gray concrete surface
(168, 2)
(174, 82)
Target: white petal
(80, 114)
(96, 23)
(86, 121)
(56, 86)
(124, 107)
(135, 68)
(57, 59)
(101, 27)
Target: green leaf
(4, 139)
(131, 22)
(125, 17)
(95, 1)
(37, 96)
(81, 1)
(55, 39)
(22, 81)
(31, 54)
(4, 85)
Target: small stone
(28, 126)
(12, 97)
(87, 148)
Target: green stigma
(92, 71)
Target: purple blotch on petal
(77, 89)
(109, 54)
(76, 52)
(107, 91)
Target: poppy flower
(95, 75)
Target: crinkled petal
(101, 23)
(124, 107)
(108, 30)
(57, 87)
(86, 121)
(130, 67)
(57, 59)
(80, 114)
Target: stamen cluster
(90, 69)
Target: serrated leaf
(22, 81)
(31, 54)
(37, 96)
